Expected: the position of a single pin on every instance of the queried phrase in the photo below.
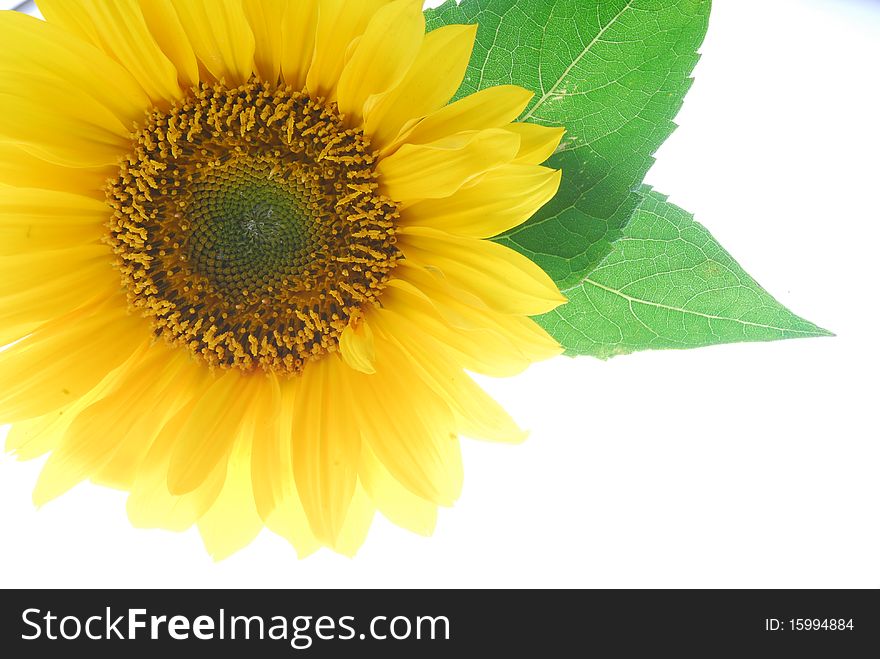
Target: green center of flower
(248, 226)
(249, 232)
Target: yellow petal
(50, 102)
(83, 134)
(500, 200)
(150, 504)
(441, 168)
(339, 23)
(537, 143)
(504, 279)
(357, 346)
(206, 438)
(477, 414)
(232, 522)
(266, 18)
(25, 271)
(394, 501)
(433, 79)
(37, 300)
(35, 220)
(42, 285)
(38, 435)
(298, 41)
(220, 36)
(169, 387)
(65, 359)
(94, 432)
(275, 493)
(9, 334)
(290, 522)
(49, 53)
(357, 523)
(271, 465)
(478, 349)
(414, 439)
(32, 438)
(167, 30)
(118, 28)
(21, 169)
(326, 447)
(465, 311)
(488, 108)
(383, 55)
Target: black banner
(423, 623)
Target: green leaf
(668, 284)
(614, 73)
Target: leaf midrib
(528, 115)
(635, 300)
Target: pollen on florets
(248, 226)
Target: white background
(736, 466)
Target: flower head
(245, 260)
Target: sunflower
(245, 269)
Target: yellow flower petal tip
(267, 317)
(357, 345)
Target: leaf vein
(577, 60)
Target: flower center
(249, 228)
